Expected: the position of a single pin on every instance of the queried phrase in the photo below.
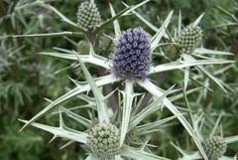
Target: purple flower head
(132, 57)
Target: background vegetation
(26, 78)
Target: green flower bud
(106, 46)
(104, 141)
(88, 16)
(131, 136)
(189, 39)
(215, 147)
(83, 47)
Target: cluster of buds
(88, 16)
(189, 39)
(104, 141)
(215, 147)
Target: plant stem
(92, 37)
(161, 77)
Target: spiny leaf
(116, 24)
(59, 34)
(72, 93)
(93, 59)
(63, 18)
(183, 64)
(139, 154)
(100, 102)
(154, 90)
(161, 32)
(60, 132)
(126, 110)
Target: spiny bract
(104, 141)
(132, 58)
(215, 147)
(189, 39)
(88, 16)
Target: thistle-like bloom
(104, 141)
(132, 57)
(189, 39)
(88, 16)
(215, 147)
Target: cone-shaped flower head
(104, 141)
(189, 39)
(88, 16)
(215, 147)
(132, 57)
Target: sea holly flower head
(104, 141)
(88, 16)
(132, 58)
(215, 147)
(189, 39)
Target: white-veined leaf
(161, 32)
(126, 109)
(72, 93)
(231, 139)
(136, 6)
(60, 132)
(183, 64)
(154, 90)
(93, 59)
(154, 28)
(116, 24)
(143, 129)
(213, 78)
(194, 156)
(63, 18)
(209, 51)
(100, 101)
(186, 77)
(86, 122)
(137, 154)
(151, 108)
(113, 18)
(58, 34)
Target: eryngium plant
(131, 66)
